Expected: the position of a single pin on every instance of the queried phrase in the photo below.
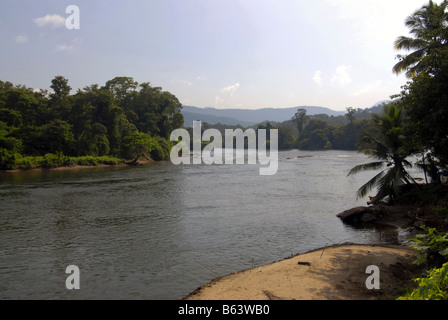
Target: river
(160, 231)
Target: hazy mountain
(189, 117)
(246, 117)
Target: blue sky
(213, 53)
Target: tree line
(122, 120)
(315, 132)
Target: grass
(59, 160)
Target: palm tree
(429, 27)
(385, 141)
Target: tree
(317, 135)
(425, 98)
(119, 119)
(300, 118)
(385, 140)
(286, 138)
(121, 88)
(59, 103)
(428, 25)
(57, 136)
(351, 115)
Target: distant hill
(246, 117)
(189, 117)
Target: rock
(363, 214)
(368, 217)
(360, 214)
(352, 214)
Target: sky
(241, 54)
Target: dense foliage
(425, 97)
(416, 125)
(433, 252)
(121, 120)
(320, 132)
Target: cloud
(21, 39)
(368, 88)
(230, 90)
(64, 47)
(53, 20)
(68, 47)
(317, 78)
(341, 76)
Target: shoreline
(335, 272)
(80, 167)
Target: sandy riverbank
(331, 273)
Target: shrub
(28, 163)
(8, 159)
(160, 149)
(51, 160)
(433, 287)
(432, 247)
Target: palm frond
(407, 164)
(366, 167)
(362, 192)
(407, 43)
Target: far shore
(80, 167)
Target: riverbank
(337, 272)
(330, 273)
(81, 167)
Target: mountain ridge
(247, 117)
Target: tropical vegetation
(120, 121)
(433, 253)
(416, 123)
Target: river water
(160, 231)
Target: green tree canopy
(385, 140)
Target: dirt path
(331, 273)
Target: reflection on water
(160, 231)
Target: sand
(330, 273)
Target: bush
(87, 161)
(432, 247)
(51, 160)
(160, 149)
(8, 159)
(433, 251)
(28, 162)
(433, 287)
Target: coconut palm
(385, 141)
(429, 27)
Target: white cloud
(64, 47)
(230, 90)
(21, 39)
(227, 93)
(368, 88)
(68, 47)
(53, 20)
(317, 78)
(218, 101)
(341, 76)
